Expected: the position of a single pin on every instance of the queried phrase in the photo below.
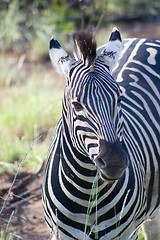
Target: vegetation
(27, 106)
(6, 235)
(27, 25)
(28, 109)
(30, 94)
(23, 26)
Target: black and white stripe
(99, 132)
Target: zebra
(109, 134)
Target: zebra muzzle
(111, 161)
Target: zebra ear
(110, 52)
(59, 57)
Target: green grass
(5, 234)
(28, 109)
(140, 234)
(8, 236)
(92, 203)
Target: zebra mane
(85, 47)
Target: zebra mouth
(104, 178)
(111, 174)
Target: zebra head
(91, 103)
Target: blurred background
(30, 89)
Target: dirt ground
(28, 219)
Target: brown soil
(28, 218)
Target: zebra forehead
(93, 84)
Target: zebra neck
(75, 166)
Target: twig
(5, 234)
(23, 181)
(2, 197)
(10, 189)
(19, 183)
(17, 196)
(82, 14)
(92, 17)
(24, 200)
(22, 196)
(4, 220)
(100, 19)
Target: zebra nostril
(100, 163)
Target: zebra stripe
(94, 133)
(147, 98)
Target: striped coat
(110, 127)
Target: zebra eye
(77, 106)
(119, 100)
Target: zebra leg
(151, 228)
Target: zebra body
(96, 131)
